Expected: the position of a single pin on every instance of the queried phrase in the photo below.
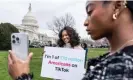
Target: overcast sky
(13, 11)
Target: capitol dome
(29, 19)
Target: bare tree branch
(60, 22)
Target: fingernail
(9, 51)
(31, 53)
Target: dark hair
(130, 7)
(84, 45)
(74, 38)
(106, 2)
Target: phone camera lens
(14, 41)
(17, 39)
(13, 36)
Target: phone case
(19, 44)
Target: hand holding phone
(18, 67)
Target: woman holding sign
(68, 38)
(113, 20)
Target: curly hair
(74, 37)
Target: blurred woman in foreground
(113, 20)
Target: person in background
(84, 46)
(68, 38)
(111, 19)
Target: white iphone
(20, 45)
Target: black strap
(25, 77)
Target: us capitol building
(30, 26)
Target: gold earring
(114, 16)
(125, 3)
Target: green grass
(36, 62)
(95, 52)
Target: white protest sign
(63, 63)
